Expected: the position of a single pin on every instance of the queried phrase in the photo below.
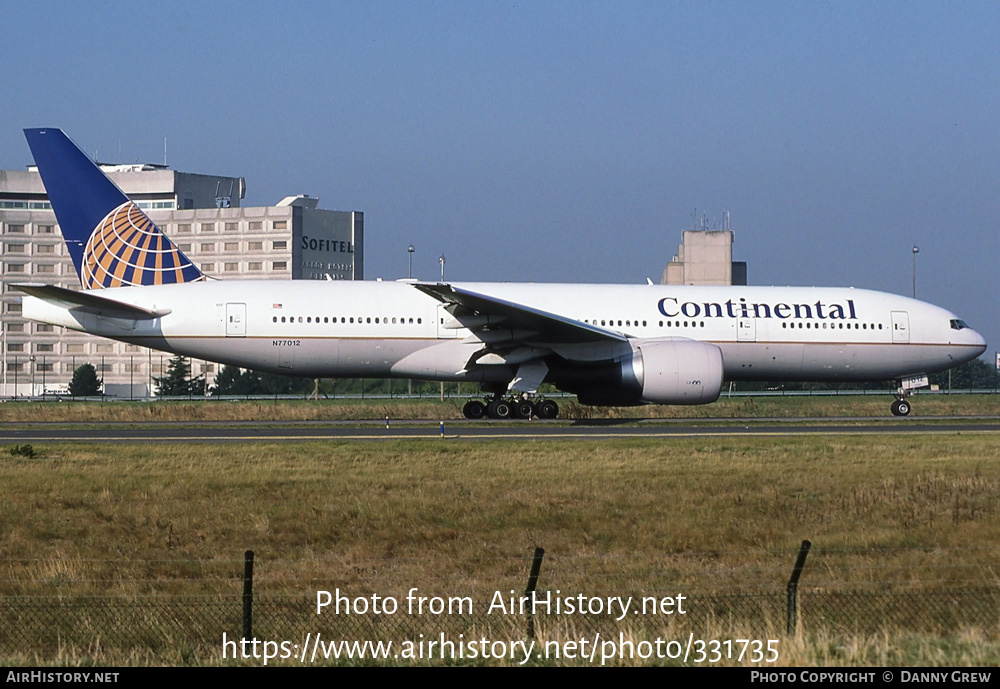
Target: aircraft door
(746, 329)
(900, 326)
(236, 320)
(443, 316)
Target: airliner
(607, 344)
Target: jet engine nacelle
(677, 371)
(655, 372)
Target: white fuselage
(391, 329)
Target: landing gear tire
(547, 409)
(510, 408)
(523, 409)
(474, 409)
(900, 408)
(498, 409)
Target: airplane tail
(112, 242)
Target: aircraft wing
(477, 309)
(89, 302)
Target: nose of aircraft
(977, 341)
(970, 345)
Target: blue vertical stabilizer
(111, 241)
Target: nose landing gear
(901, 407)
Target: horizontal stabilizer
(90, 302)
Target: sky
(560, 141)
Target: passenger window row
(701, 324)
(629, 323)
(611, 322)
(833, 326)
(347, 319)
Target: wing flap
(529, 377)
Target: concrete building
(203, 216)
(705, 257)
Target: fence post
(793, 587)
(248, 594)
(529, 592)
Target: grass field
(688, 515)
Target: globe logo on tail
(127, 248)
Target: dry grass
(680, 512)
(872, 405)
(228, 410)
(971, 648)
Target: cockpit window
(958, 324)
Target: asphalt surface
(534, 430)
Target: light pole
(410, 251)
(31, 359)
(916, 250)
(441, 261)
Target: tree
(275, 384)
(972, 375)
(233, 381)
(177, 382)
(85, 381)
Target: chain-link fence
(169, 627)
(45, 626)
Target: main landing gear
(510, 408)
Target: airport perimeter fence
(181, 629)
(175, 627)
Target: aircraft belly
(364, 357)
(832, 361)
(342, 357)
(255, 353)
(309, 357)
(756, 360)
(448, 360)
